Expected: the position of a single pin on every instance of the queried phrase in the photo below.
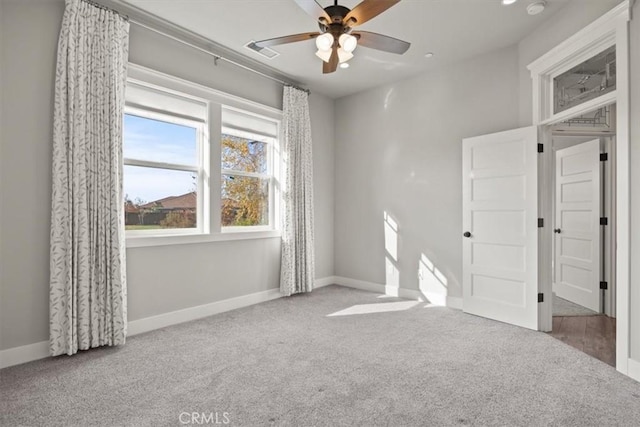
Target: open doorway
(582, 191)
(552, 75)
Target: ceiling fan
(336, 39)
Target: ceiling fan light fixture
(335, 40)
(325, 55)
(324, 42)
(348, 42)
(344, 56)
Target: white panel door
(500, 220)
(577, 222)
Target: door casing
(582, 265)
(610, 29)
(607, 172)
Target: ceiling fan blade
(287, 39)
(314, 9)
(332, 65)
(381, 42)
(367, 10)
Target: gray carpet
(286, 362)
(562, 307)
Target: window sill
(187, 239)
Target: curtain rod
(103, 7)
(193, 46)
(215, 55)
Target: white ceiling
(452, 29)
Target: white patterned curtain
(297, 271)
(87, 301)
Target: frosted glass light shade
(343, 55)
(324, 41)
(324, 55)
(348, 42)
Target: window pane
(244, 154)
(159, 198)
(248, 122)
(245, 201)
(158, 141)
(593, 78)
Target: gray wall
(161, 279)
(322, 130)
(635, 183)
(1, 144)
(29, 39)
(399, 150)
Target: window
(586, 81)
(199, 165)
(247, 170)
(163, 165)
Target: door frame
(608, 210)
(612, 29)
(605, 187)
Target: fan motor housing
(337, 13)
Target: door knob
(467, 234)
(557, 231)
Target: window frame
(210, 180)
(198, 169)
(269, 176)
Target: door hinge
(604, 157)
(540, 297)
(540, 222)
(540, 148)
(604, 285)
(604, 220)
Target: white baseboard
(411, 294)
(361, 284)
(434, 298)
(454, 302)
(193, 313)
(324, 281)
(633, 369)
(40, 350)
(24, 354)
(414, 294)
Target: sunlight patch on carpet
(375, 308)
